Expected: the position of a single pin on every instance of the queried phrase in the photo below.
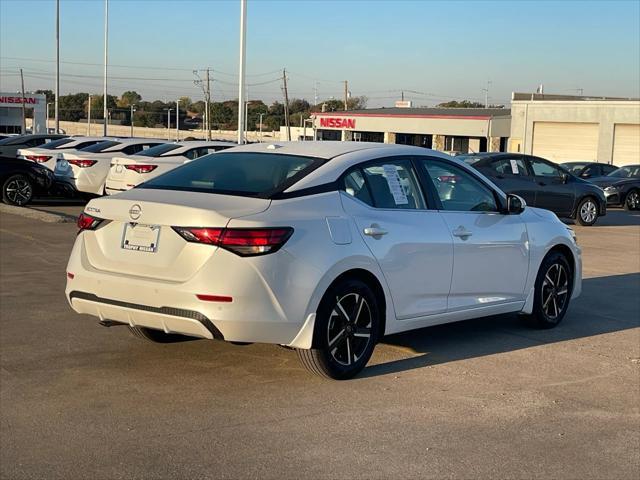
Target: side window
(509, 166)
(590, 171)
(458, 190)
(393, 184)
(191, 154)
(131, 149)
(355, 186)
(543, 169)
(607, 169)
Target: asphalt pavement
(486, 398)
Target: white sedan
(127, 172)
(47, 155)
(322, 247)
(86, 170)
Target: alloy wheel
(349, 329)
(588, 211)
(633, 200)
(18, 191)
(555, 291)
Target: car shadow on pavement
(614, 218)
(607, 304)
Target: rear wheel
(632, 200)
(346, 331)
(17, 190)
(552, 292)
(158, 336)
(587, 212)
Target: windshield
(159, 150)
(99, 147)
(630, 171)
(243, 173)
(574, 168)
(57, 143)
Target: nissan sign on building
(11, 112)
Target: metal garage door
(626, 144)
(565, 142)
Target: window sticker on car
(393, 180)
(514, 167)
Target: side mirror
(564, 177)
(515, 204)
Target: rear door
(490, 248)
(552, 193)
(512, 176)
(411, 244)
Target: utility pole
(260, 138)
(286, 104)
(132, 110)
(48, 117)
(57, 68)
(241, 79)
(346, 94)
(89, 117)
(104, 93)
(177, 119)
(486, 94)
(24, 112)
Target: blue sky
(444, 50)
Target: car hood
(613, 181)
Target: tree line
(223, 115)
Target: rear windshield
(99, 147)
(243, 173)
(57, 143)
(19, 140)
(159, 150)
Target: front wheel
(632, 200)
(587, 212)
(552, 292)
(17, 190)
(346, 331)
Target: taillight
(38, 158)
(82, 163)
(141, 168)
(241, 241)
(87, 222)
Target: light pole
(243, 37)
(169, 123)
(177, 119)
(260, 126)
(104, 98)
(48, 118)
(133, 109)
(57, 68)
(89, 117)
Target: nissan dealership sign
(337, 122)
(12, 100)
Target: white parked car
(127, 172)
(48, 154)
(320, 246)
(86, 170)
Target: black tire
(17, 190)
(587, 212)
(552, 292)
(346, 331)
(158, 336)
(632, 200)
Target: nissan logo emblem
(135, 211)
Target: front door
(411, 244)
(553, 192)
(490, 248)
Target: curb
(48, 217)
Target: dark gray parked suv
(9, 146)
(542, 184)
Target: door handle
(462, 233)
(375, 231)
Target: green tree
(129, 98)
(72, 107)
(97, 105)
(50, 96)
(460, 104)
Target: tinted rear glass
(159, 150)
(247, 174)
(57, 143)
(99, 147)
(15, 140)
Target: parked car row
(545, 184)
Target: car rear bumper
(255, 314)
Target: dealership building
(561, 128)
(565, 128)
(11, 112)
(447, 129)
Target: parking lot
(485, 398)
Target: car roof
(183, 146)
(317, 149)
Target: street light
(133, 109)
(241, 85)
(48, 118)
(104, 98)
(169, 123)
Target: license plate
(141, 238)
